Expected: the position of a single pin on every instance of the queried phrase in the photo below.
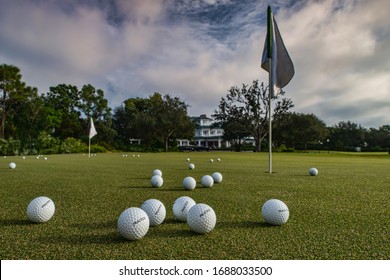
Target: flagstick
(89, 147)
(270, 93)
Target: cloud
(337, 48)
(197, 50)
(63, 47)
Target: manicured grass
(343, 213)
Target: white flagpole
(275, 54)
(270, 93)
(89, 147)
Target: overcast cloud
(198, 49)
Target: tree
(30, 118)
(64, 101)
(171, 118)
(70, 110)
(127, 120)
(157, 119)
(378, 139)
(294, 129)
(234, 132)
(247, 108)
(347, 136)
(13, 92)
(92, 104)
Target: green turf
(343, 213)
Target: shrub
(47, 144)
(96, 149)
(10, 146)
(72, 145)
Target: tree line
(58, 121)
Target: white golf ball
(157, 172)
(188, 159)
(207, 181)
(133, 223)
(201, 218)
(156, 211)
(211, 160)
(313, 171)
(189, 183)
(217, 177)
(12, 165)
(191, 166)
(156, 181)
(40, 209)
(275, 212)
(181, 206)
(218, 159)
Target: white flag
(92, 130)
(274, 48)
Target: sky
(198, 49)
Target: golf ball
(157, 172)
(313, 171)
(40, 209)
(181, 206)
(156, 181)
(211, 160)
(155, 210)
(191, 166)
(201, 218)
(275, 212)
(12, 165)
(207, 181)
(189, 183)
(133, 223)
(217, 177)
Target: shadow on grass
(136, 187)
(244, 224)
(158, 233)
(172, 222)
(16, 222)
(111, 238)
(174, 190)
(102, 225)
(89, 233)
(163, 189)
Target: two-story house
(206, 134)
